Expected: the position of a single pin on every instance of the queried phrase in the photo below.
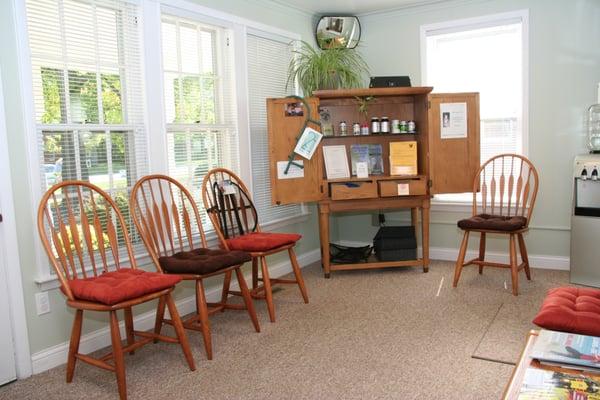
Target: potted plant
(336, 68)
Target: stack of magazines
(565, 350)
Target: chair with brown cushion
(167, 218)
(508, 184)
(84, 235)
(235, 219)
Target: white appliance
(585, 221)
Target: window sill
(50, 281)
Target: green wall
(564, 71)
(54, 328)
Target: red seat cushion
(202, 261)
(262, 241)
(121, 285)
(571, 309)
(493, 222)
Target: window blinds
(88, 92)
(200, 104)
(268, 62)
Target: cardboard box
(403, 158)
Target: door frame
(11, 252)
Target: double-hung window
(199, 98)
(88, 93)
(486, 55)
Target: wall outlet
(42, 303)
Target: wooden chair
(232, 213)
(508, 185)
(84, 234)
(167, 218)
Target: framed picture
(308, 142)
(294, 110)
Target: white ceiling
(355, 7)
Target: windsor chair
(235, 219)
(508, 185)
(86, 239)
(167, 218)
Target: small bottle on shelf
(375, 125)
(343, 128)
(385, 125)
(364, 129)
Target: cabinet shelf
(376, 178)
(410, 136)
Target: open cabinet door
(284, 127)
(453, 141)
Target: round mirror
(338, 32)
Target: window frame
(518, 16)
(156, 157)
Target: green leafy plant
(337, 68)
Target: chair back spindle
(83, 232)
(508, 186)
(166, 216)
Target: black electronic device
(389, 81)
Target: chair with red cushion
(167, 218)
(508, 184)
(84, 235)
(235, 219)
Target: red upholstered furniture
(571, 309)
(508, 185)
(232, 213)
(167, 218)
(83, 234)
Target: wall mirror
(335, 32)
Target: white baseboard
(449, 254)
(57, 355)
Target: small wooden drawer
(403, 187)
(353, 190)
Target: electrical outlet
(42, 303)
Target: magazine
(359, 153)
(568, 349)
(540, 384)
(375, 159)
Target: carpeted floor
(365, 335)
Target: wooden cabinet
(445, 163)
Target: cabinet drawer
(353, 190)
(403, 187)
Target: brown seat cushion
(202, 261)
(493, 222)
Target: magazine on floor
(567, 349)
(540, 384)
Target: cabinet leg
(324, 236)
(425, 236)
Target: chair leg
(524, 256)
(247, 298)
(160, 316)
(254, 273)
(461, 258)
(514, 271)
(268, 290)
(74, 344)
(225, 292)
(298, 274)
(117, 351)
(202, 308)
(129, 327)
(481, 250)
(181, 335)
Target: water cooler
(585, 221)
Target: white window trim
(156, 157)
(521, 16)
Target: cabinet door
(283, 130)
(453, 141)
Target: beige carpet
(365, 335)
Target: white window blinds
(268, 61)
(200, 103)
(88, 92)
(488, 60)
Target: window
(268, 61)
(485, 55)
(88, 93)
(200, 104)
